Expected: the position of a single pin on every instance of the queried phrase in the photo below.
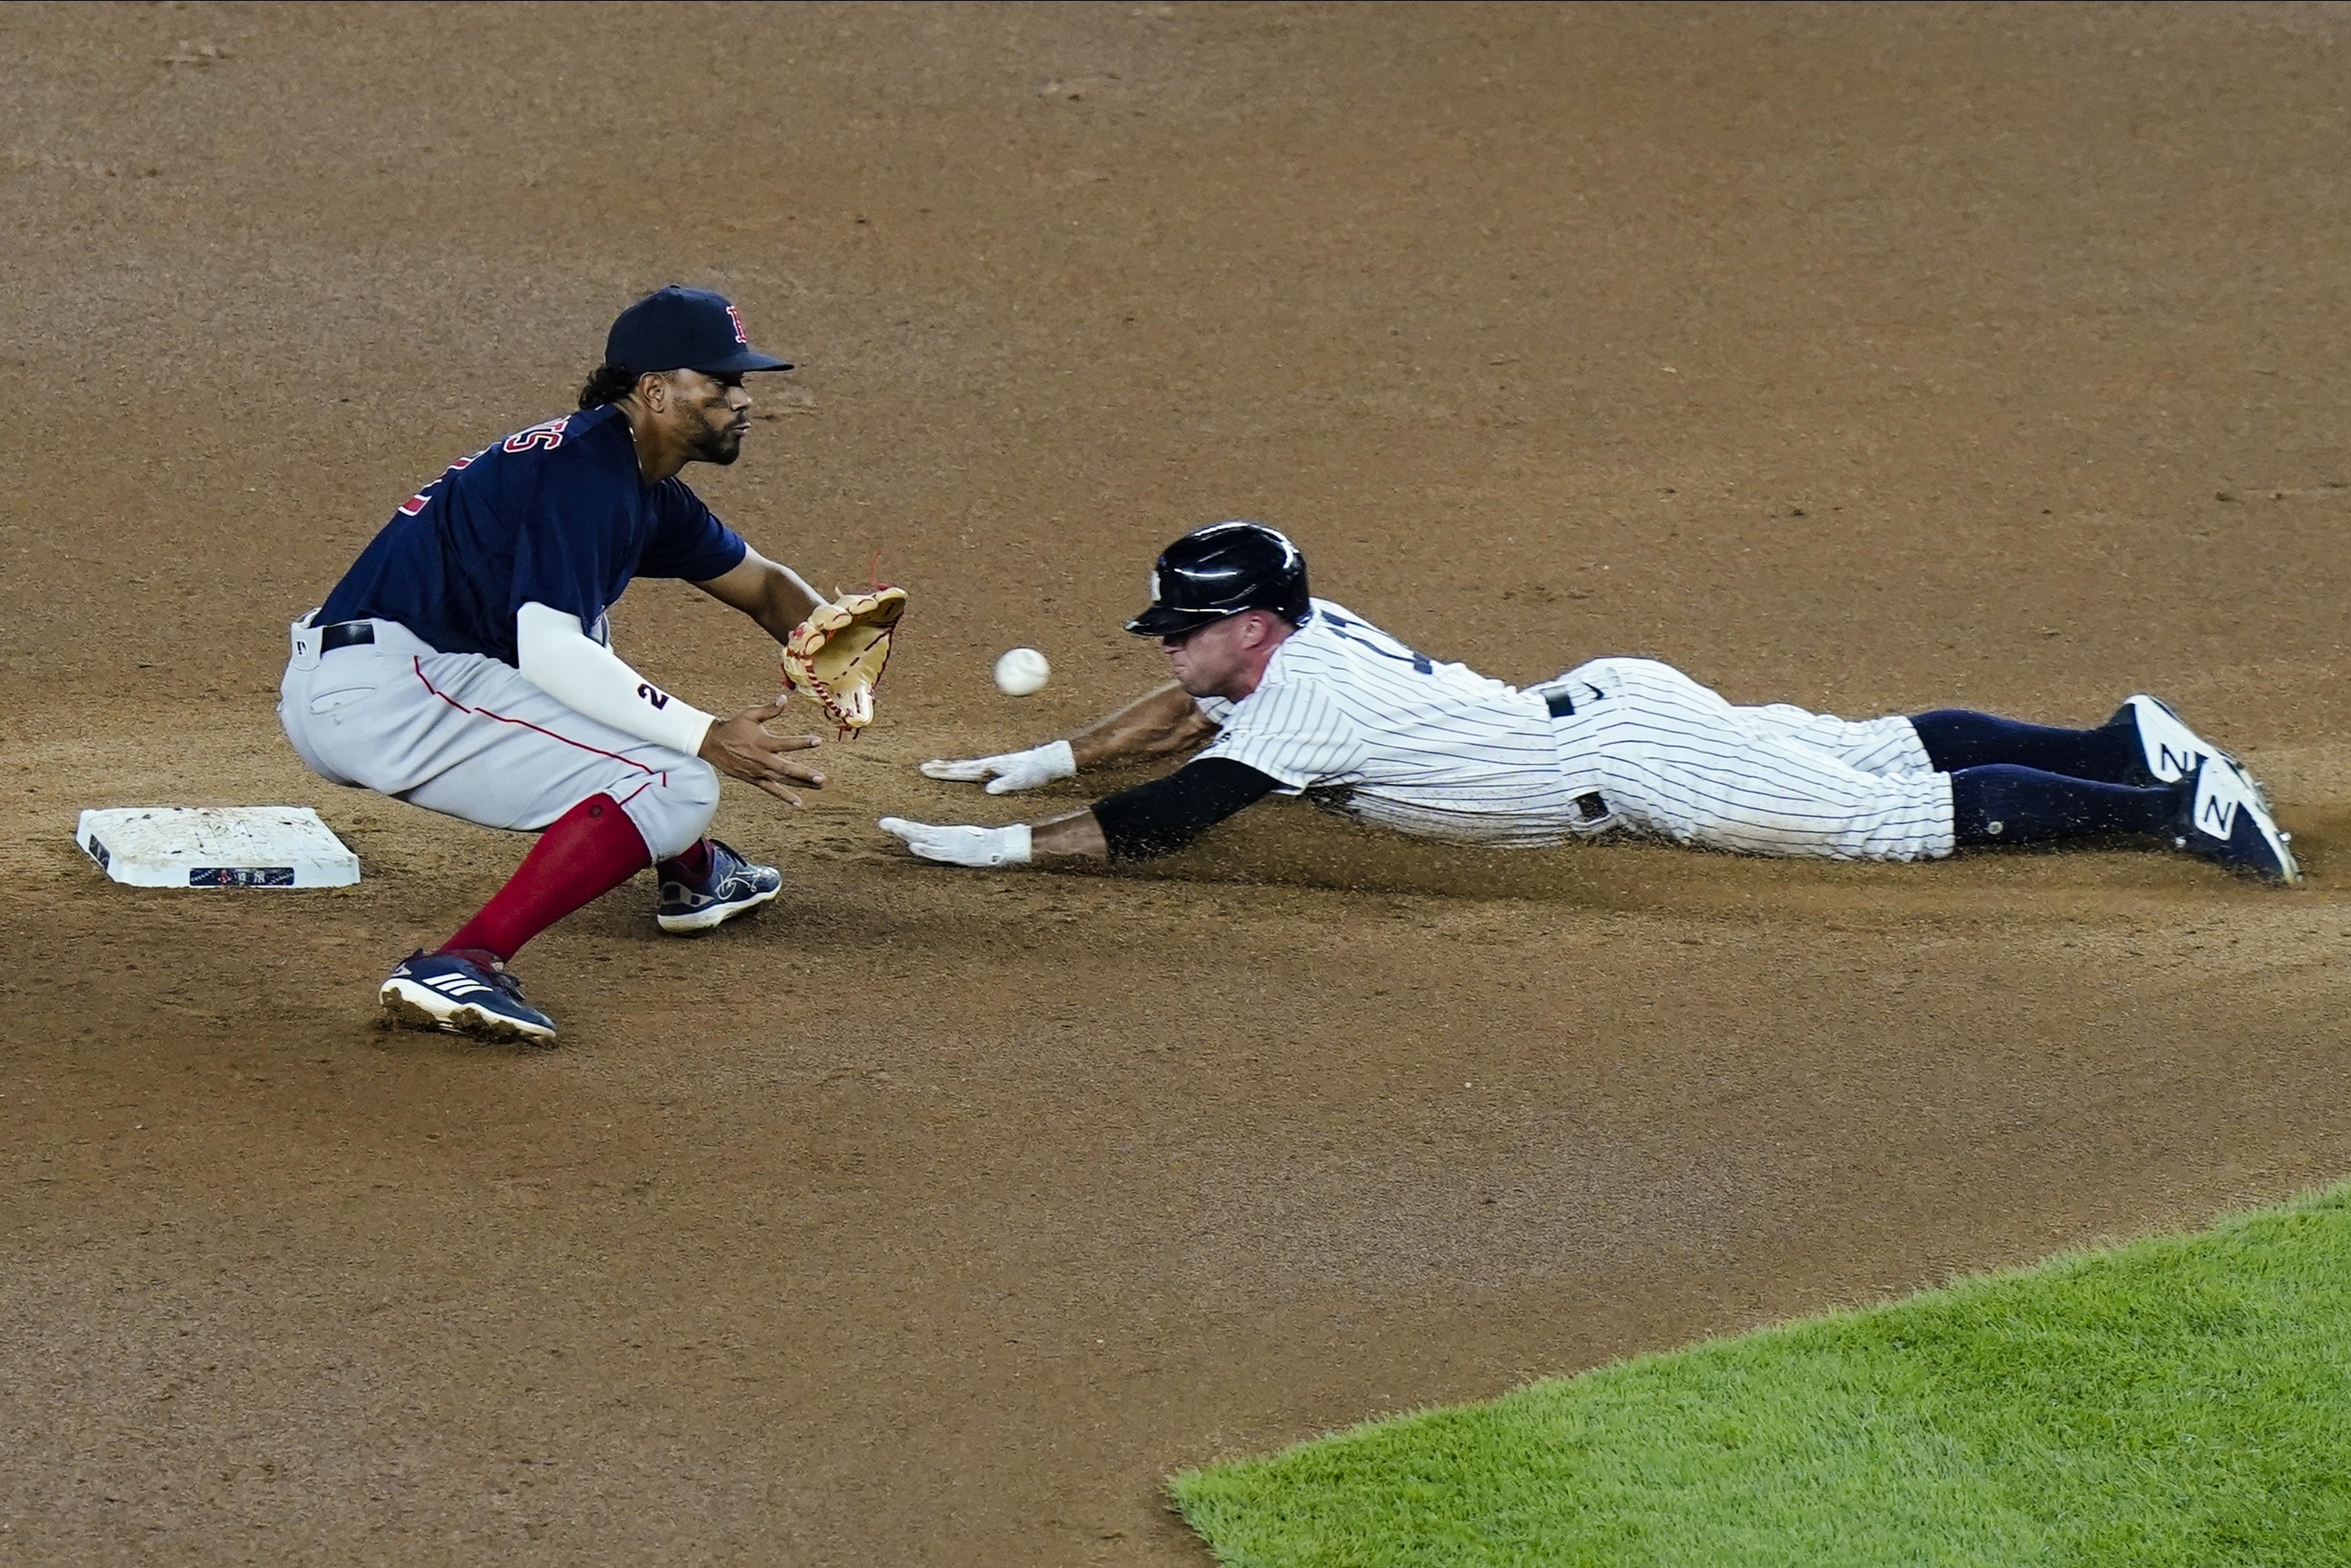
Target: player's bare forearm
(1156, 725)
(1079, 835)
(769, 593)
(1166, 720)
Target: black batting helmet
(1220, 571)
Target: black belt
(1591, 806)
(344, 634)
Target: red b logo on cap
(736, 317)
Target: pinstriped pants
(1672, 758)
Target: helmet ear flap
(1295, 606)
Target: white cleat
(2169, 750)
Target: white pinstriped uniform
(1355, 719)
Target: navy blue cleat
(2222, 819)
(459, 994)
(2168, 749)
(732, 886)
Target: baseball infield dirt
(1872, 360)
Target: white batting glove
(1011, 770)
(963, 846)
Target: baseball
(1021, 672)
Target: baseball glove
(837, 654)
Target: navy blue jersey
(557, 514)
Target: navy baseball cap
(1220, 571)
(680, 328)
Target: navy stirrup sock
(2004, 804)
(1956, 738)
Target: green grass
(2179, 1401)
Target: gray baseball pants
(464, 734)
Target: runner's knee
(1621, 666)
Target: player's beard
(721, 447)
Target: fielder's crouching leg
(464, 734)
(672, 809)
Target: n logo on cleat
(2170, 764)
(2216, 815)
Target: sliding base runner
(1282, 692)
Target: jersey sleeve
(690, 541)
(1291, 732)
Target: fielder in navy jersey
(1285, 693)
(464, 663)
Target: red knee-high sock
(691, 862)
(584, 854)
